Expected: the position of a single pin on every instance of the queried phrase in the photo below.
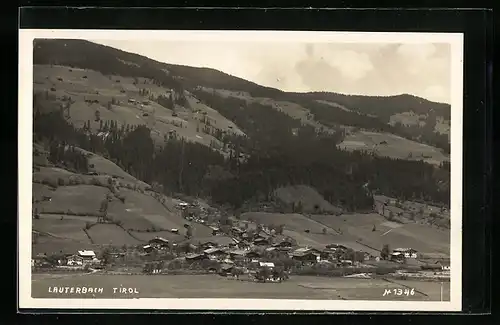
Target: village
(242, 249)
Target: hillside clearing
(389, 145)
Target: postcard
(240, 170)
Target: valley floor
(214, 286)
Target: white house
(407, 252)
(266, 264)
(74, 260)
(89, 255)
(183, 205)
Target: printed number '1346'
(399, 292)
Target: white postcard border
(26, 37)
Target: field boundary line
(88, 235)
(130, 234)
(378, 250)
(55, 236)
(321, 223)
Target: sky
(374, 69)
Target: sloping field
(320, 241)
(220, 121)
(109, 234)
(396, 147)
(107, 167)
(148, 208)
(316, 240)
(51, 176)
(64, 228)
(308, 197)
(292, 221)
(50, 245)
(78, 204)
(358, 227)
(79, 199)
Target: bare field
(64, 228)
(212, 286)
(78, 199)
(148, 208)
(107, 167)
(292, 221)
(50, 245)
(395, 147)
(109, 234)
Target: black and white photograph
(240, 170)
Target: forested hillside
(275, 150)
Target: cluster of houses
(80, 258)
(236, 246)
(194, 212)
(260, 250)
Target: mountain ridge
(185, 70)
